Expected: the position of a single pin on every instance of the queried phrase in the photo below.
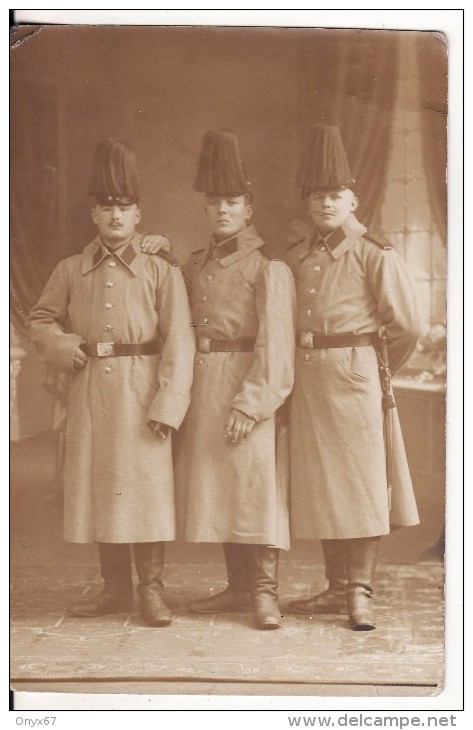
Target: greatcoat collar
(234, 248)
(96, 252)
(338, 242)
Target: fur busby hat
(325, 165)
(114, 174)
(221, 170)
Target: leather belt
(311, 341)
(208, 344)
(116, 349)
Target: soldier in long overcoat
(243, 311)
(350, 284)
(118, 322)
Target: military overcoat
(348, 284)
(231, 492)
(118, 476)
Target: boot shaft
(362, 559)
(264, 565)
(335, 557)
(115, 565)
(361, 562)
(265, 587)
(237, 561)
(149, 563)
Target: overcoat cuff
(169, 407)
(59, 351)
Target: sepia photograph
(228, 360)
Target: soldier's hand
(238, 426)
(79, 360)
(158, 429)
(153, 242)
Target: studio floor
(210, 655)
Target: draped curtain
(432, 55)
(348, 78)
(35, 220)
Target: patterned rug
(407, 648)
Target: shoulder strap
(378, 240)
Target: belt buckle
(204, 344)
(105, 349)
(307, 340)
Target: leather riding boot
(265, 587)
(149, 562)
(361, 566)
(116, 595)
(235, 597)
(333, 598)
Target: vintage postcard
(228, 361)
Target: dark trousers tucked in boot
(361, 567)
(116, 595)
(333, 598)
(235, 597)
(149, 563)
(265, 587)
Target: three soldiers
(347, 454)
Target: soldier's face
(330, 208)
(116, 222)
(228, 215)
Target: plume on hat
(220, 170)
(114, 174)
(325, 165)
